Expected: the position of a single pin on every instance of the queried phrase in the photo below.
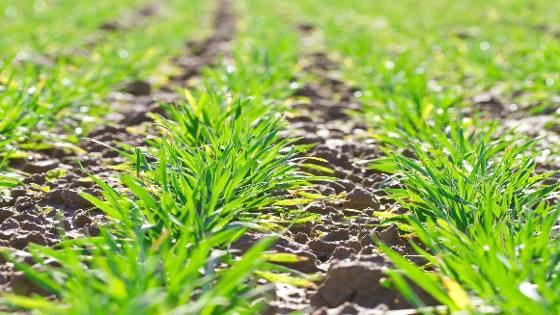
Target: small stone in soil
(360, 199)
(5, 214)
(357, 282)
(138, 88)
(17, 192)
(40, 166)
(390, 236)
(22, 285)
(317, 209)
(9, 224)
(20, 241)
(301, 238)
(341, 253)
(81, 219)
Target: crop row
(218, 164)
(482, 212)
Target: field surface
(279, 157)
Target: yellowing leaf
(283, 257)
(385, 214)
(190, 98)
(456, 293)
(427, 110)
(441, 223)
(310, 195)
(284, 278)
(292, 202)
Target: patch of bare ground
(48, 207)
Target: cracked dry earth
(48, 207)
(339, 245)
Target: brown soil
(48, 207)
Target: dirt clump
(390, 236)
(356, 282)
(138, 88)
(360, 199)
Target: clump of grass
(146, 262)
(221, 158)
(217, 160)
(485, 220)
(471, 178)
